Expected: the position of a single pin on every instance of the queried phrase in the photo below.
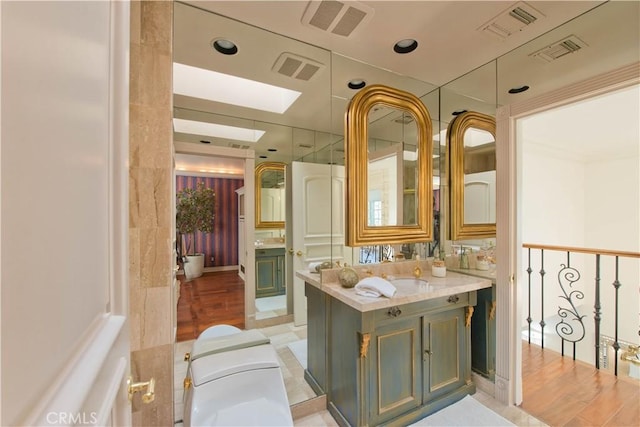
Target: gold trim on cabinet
(358, 232)
(468, 315)
(364, 344)
(455, 144)
(260, 169)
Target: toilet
(234, 379)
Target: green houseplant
(195, 212)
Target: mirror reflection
(270, 195)
(392, 169)
(472, 157)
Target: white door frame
(508, 382)
(249, 214)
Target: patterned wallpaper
(222, 244)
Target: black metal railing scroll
(571, 326)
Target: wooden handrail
(582, 250)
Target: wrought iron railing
(571, 315)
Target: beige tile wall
(150, 207)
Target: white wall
(572, 202)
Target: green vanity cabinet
(269, 272)
(483, 334)
(389, 366)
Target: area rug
(271, 303)
(299, 350)
(464, 413)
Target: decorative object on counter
(464, 259)
(317, 266)
(348, 277)
(438, 268)
(482, 263)
(375, 287)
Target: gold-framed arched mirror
(270, 195)
(389, 187)
(472, 166)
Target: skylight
(219, 87)
(216, 130)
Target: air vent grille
(305, 146)
(296, 66)
(512, 20)
(559, 49)
(336, 17)
(405, 119)
(240, 146)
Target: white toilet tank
(237, 388)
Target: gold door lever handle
(150, 385)
(299, 253)
(290, 251)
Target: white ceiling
(450, 46)
(599, 128)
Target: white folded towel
(313, 266)
(375, 287)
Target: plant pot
(194, 266)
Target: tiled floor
(299, 391)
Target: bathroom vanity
(390, 360)
(270, 270)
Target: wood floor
(556, 390)
(212, 299)
(561, 392)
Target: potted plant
(195, 212)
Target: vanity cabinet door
(395, 369)
(483, 334)
(266, 276)
(444, 352)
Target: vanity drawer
(427, 306)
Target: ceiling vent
(305, 146)
(242, 147)
(336, 17)
(514, 19)
(296, 66)
(404, 119)
(559, 49)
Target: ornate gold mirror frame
(455, 135)
(358, 232)
(259, 171)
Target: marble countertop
(485, 274)
(270, 246)
(454, 283)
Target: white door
(64, 234)
(318, 223)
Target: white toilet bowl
(238, 387)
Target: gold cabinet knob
(150, 386)
(299, 253)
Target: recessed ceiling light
(204, 141)
(219, 131)
(405, 46)
(356, 84)
(213, 86)
(225, 46)
(263, 157)
(272, 149)
(519, 89)
(458, 112)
